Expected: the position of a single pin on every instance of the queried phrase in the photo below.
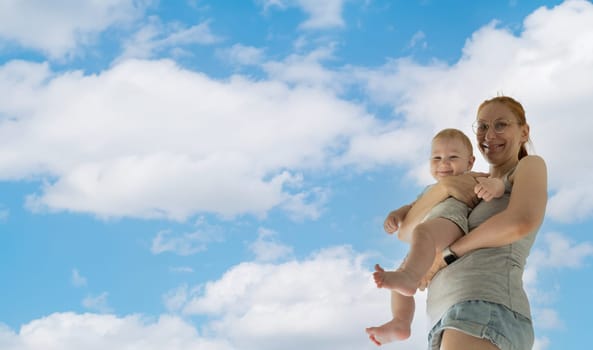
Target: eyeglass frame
(492, 124)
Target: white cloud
(306, 70)
(243, 55)
(546, 318)
(187, 243)
(267, 249)
(554, 251)
(97, 303)
(4, 214)
(182, 269)
(542, 343)
(196, 34)
(69, 331)
(542, 67)
(325, 301)
(322, 14)
(59, 28)
(156, 37)
(77, 279)
(561, 252)
(149, 139)
(574, 202)
(176, 298)
(418, 40)
(254, 305)
(322, 302)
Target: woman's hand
(437, 265)
(462, 187)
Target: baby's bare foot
(400, 281)
(393, 330)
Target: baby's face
(449, 156)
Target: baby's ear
(471, 161)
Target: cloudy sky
(211, 175)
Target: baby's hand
(488, 188)
(393, 221)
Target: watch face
(449, 259)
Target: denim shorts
(505, 328)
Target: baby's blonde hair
(451, 133)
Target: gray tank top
(489, 274)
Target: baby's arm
(395, 218)
(488, 188)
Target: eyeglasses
(499, 126)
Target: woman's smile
(492, 147)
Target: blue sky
(215, 174)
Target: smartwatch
(449, 256)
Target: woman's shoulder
(531, 162)
(531, 165)
(532, 158)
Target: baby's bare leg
(402, 308)
(427, 238)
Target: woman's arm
(523, 215)
(460, 187)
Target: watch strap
(449, 256)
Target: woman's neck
(498, 171)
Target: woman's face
(499, 134)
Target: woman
(478, 300)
